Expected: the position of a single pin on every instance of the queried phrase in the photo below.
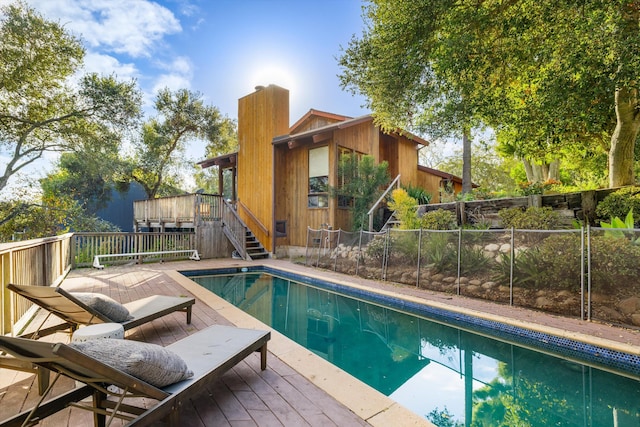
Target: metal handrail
(375, 205)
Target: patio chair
(208, 354)
(75, 312)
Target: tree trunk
(466, 161)
(624, 138)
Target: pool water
(451, 376)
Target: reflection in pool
(451, 376)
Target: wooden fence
(571, 206)
(42, 262)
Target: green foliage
(364, 181)
(553, 263)
(182, 116)
(439, 219)
(614, 262)
(404, 207)
(41, 108)
(533, 218)
(530, 188)
(619, 203)
(569, 65)
(421, 196)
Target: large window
(318, 177)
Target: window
(318, 177)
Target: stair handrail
(396, 181)
(235, 229)
(262, 227)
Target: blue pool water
(453, 370)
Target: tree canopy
(182, 116)
(547, 76)
(42, 108)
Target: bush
(420, 194)
(618, 203)
(404, 207)
(439, 220)
(614, 263)
(533, 218)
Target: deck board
(243, 396)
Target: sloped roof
(319, 132)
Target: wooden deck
(245, 396)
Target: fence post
(359, 252)
(459, 258)
(419, 255)
(385, 255)
(511, 262)
(582, 273)
(588, 272)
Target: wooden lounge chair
(74, 312)
(208, 353)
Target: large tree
(182, 116)
(44, 106)
(548, 74)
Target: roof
(224, 161)
(322, 133)
(317, 113)
(441, 174)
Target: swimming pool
(434, 362)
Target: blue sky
(220, 48)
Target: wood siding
(262, 115)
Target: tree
(89, 176)
(551, 74)
(41, 109)
(361, 180)
(226, 142)
(182, 116)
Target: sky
(219, 48)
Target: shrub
(618, 203)
(404, 207)
(421, 196)
(614, 262)
(439, 220)
(533, 218)
(554, 263)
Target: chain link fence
(589, 273)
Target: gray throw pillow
(108, 307)
(151, 363)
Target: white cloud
(178, 75)
(105, 64)
(131, 27)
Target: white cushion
(108, 307)
(151, 363)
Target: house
(280, 172)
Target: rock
(489, 285)
(462, 280)
(543, 302)
(449, 279)
(609, 313)
(475, 282)
(629, 305)
(505, 248)
(437, 277)
(492, 247)
(635, 319)
(472, 289)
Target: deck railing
(176, 209)
(32, 262)
(87, 245)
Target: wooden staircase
(254, 248)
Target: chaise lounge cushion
(151, 363)
(104, 305)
